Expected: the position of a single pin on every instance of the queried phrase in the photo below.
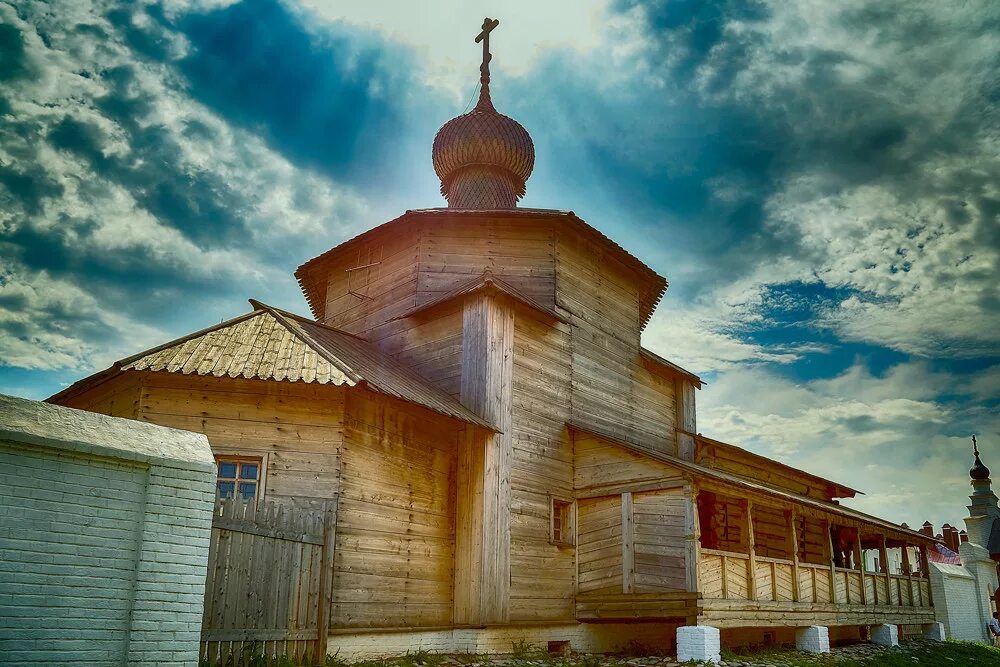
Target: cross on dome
(484, 37)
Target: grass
(945, 654)
(918, 654)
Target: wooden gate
(269, 583)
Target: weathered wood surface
(396, 519)
(266, 589)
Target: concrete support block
(814, 639)
(934, 632)
(698, 642)
(885, 635)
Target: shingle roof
(271, 344)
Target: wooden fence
(269, 583)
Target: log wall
(396, 517)
(612, 391)
(542, 573)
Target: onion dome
(978, 470)
(483, 157)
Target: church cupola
(978, 470)
(483, 157)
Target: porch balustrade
(727, 575)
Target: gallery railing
(727, 575)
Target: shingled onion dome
(483, 157)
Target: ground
(908, 654)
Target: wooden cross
(484, 37)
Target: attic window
(562, 531)
(238, 475)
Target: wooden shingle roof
(271, 344)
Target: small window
(562, 521)
(238, 475)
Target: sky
(819, 181)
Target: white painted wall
(104, 534)
(955, 601)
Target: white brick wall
(104, 532)
(699, 642)
(956, 602)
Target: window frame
(241, 456)
(567, 537)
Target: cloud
(146, 206)
(902, 437)
(850, 145)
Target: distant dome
(978, 470)
(483, 158)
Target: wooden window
(561, 522)
(238, 476)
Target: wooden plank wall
(298, 426)
(430, 343)
(396, 517)
(118, 397)
(542, 574)
(599, 545)
(359, 300)
(770, 528)
(520, 251)
(612, 391)
(600, 463)
(660, 540)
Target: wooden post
(833, 567)
(725, 582)
(861, 566)
(794, 532)
(486, 389)
(628, 544)
(925, 565)
(752, 560)
(693, 530)
(883, 555)
(326, 581)
(909, 576)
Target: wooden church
(505, 460)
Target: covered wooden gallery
(505, 460)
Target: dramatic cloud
(820, 181)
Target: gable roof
(485, 281)
(729, 479)
(271, 344)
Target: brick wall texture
(102, 553)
